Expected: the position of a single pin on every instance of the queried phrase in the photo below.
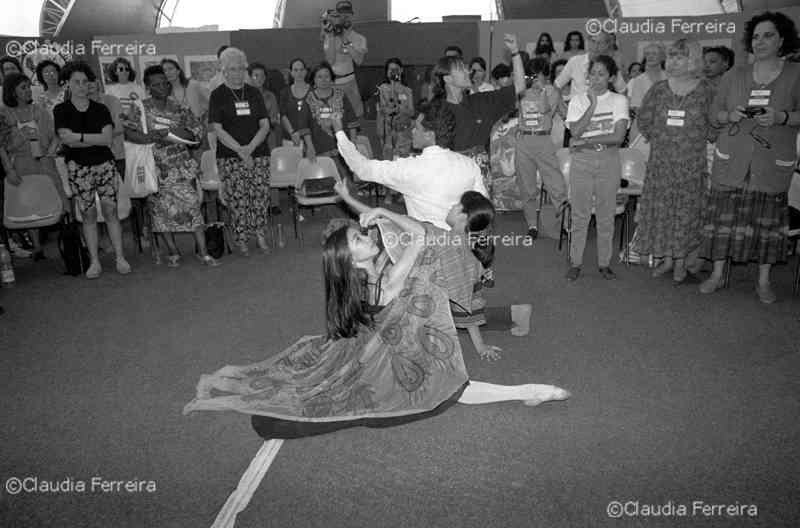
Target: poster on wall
(201, 68)
(105, 67)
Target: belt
(534, 132)
(595, 147)
(337, 77)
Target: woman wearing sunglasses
(122, 75)
(757, 107)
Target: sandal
(173, 261)
(210, 261)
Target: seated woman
(176, 206)
(462, 267)
(26, 140)
(405, 362)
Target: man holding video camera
(344, 49)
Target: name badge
(759, 97)
(676, 113)
(242, 108)
(675, 121)
(325, 113)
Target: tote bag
(141, 174)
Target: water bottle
(6, 268)
(281, 240)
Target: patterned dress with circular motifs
(409, 363)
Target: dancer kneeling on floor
(463, 265)
(405, 363)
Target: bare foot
(545, 393)
(521, 317)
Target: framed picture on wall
(145, 61)
(105, 67)
(201, 68)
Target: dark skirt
(745, 226)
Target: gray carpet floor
(677, 397)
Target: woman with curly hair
(758, 107)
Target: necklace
(237, 97)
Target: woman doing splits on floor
(402, 364)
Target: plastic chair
(283, 163)
(33, 203)
(323, 168)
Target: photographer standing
(344, 49)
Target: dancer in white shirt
(431, 183)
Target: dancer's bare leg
(479, 392)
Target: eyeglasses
(123, 68)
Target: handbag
(71, 247)
(141, 173)
(215, 239)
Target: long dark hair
(581, 45)
(480, 215)
(542, 48)
(10, 84)
(344, 312)
(181, 76)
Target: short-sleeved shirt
(536, 111)
(239, 112)
(91, 121)
(611, 107)
(477, 114)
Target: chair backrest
(364, 147)
(33, 203)
(283, 164)
(323, 168)
(209, 175)
(634, 165)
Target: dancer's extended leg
(479, 392)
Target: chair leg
(726, 273)
(796, 288)
(542, 194)
(295, 206)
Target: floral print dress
(176, 205)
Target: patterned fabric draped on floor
(409, 363)
(246, 193)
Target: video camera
(337, 20)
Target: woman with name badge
(292, 101)
(239, 118)
(323, 102)
(758, 107)
(673, 119)
(598, 121)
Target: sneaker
(123, 268)
(573, 273)
(18, 251)
(94, 270)
(173, 261)
(607, 273)
(533, 233)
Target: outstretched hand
(341, 188)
